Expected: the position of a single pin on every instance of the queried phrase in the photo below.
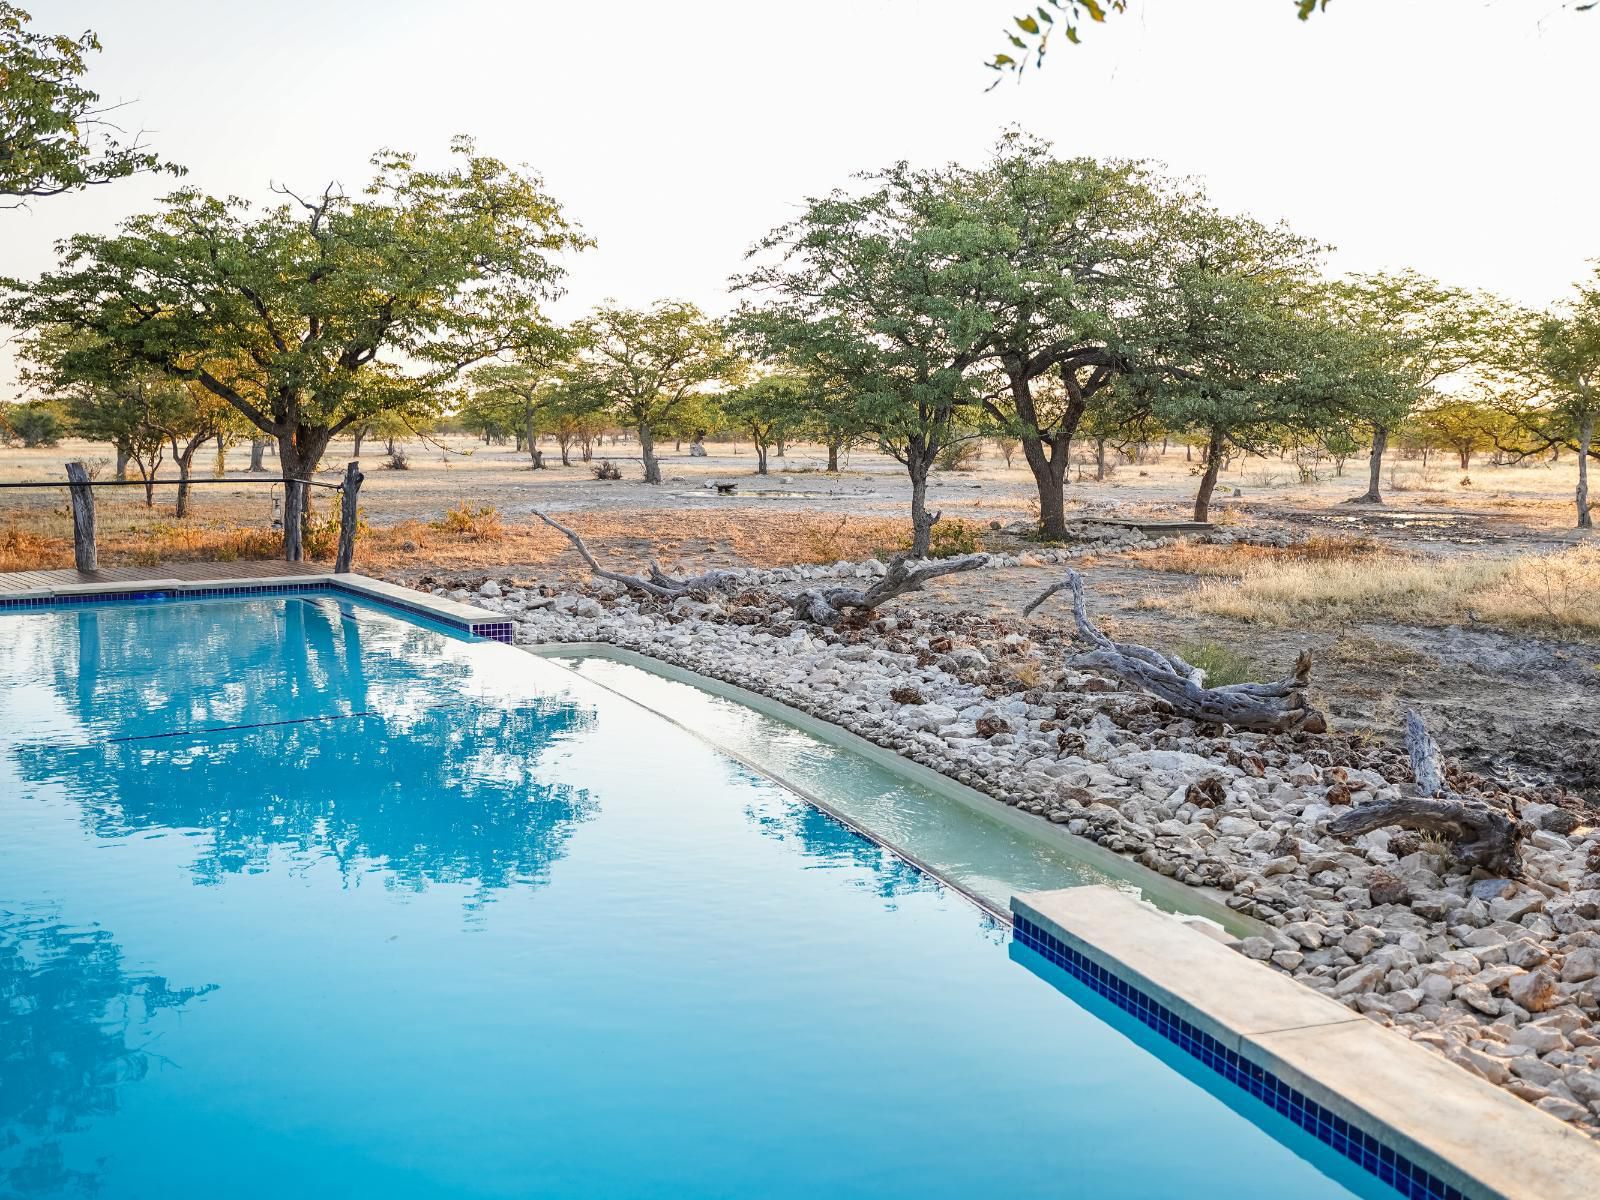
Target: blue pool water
(299, 898)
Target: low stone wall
(1500, 977)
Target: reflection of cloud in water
(363, 747)
(72, 1032)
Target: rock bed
(1499, 976)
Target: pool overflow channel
(1402, 1116)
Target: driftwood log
(660, 584)
(1279, 707)
(825, 606)
(1479, 836)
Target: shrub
(474, 524)
(958, 456)
(606, 469)
(396, 460)
(35, 425)
(952, 538)
(1223, 665)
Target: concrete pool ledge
(1464, 1131)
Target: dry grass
(466, 539)
(1196, 558)
(1557, 593)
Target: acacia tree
(1057, 252)
(55, 136)
(1566, 364)
(650, 363)
(441, 268)
(858, 291)
(767, 409)
(1427, 333)
(1245, 349)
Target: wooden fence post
(347, 518)
(84, 555)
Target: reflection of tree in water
(820, 836)
(71, 1020)
(398, 769)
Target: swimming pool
(300, 897)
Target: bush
(397, 460)
(480, 524)
(1223, 665)
(606, 469)
(958, 456)
(952, 538)
(34, 425)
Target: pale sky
(1453, 136)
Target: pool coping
(1407, 1115)
(1169, 894)
(474, 622)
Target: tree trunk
(1050, 480)
(297, 461)
(123, 455)
(84, 555)
(258, 450)
(782, 443)
(1466, 458)
(537, 455)
(361, 436)
(1100, 460)
(149, 478)
(1585, 443)
(1380, 443)
(833, 457)
(220, 469)
(1208, 478)
(647, 451)
(761, 457)
(185, 460)
(922, 521)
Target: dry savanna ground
(1466, 595)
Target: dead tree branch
(826, 605)
(660, 584)
(1479, 836)
(1279, 707)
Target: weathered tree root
(660, 584)
(825, 606)
(1479, 836)
(1279, 707)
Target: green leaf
(1027, 24)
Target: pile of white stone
(1501, 977)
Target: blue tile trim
(499, 631)
(1359, 1146)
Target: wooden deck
(190, 572)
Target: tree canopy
(55, 136)
(650, 363)
(286, 313)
